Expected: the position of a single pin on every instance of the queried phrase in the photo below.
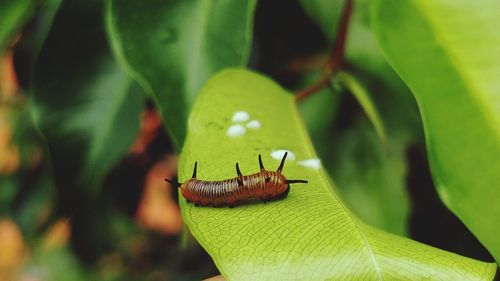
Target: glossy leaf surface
(172, 47)
(451, 64)
(311, 234)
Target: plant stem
(336, 57)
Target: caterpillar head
(280, 168)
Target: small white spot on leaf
(314, 163)
(278, 154)
(240, 116)
(254, 124)
(236, 131)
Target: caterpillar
(264, 185)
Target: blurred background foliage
(82, 194)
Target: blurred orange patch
(13, 252)
(157, 209)
(58, 235)
(148, 129)
(9, 152)
(8, 80)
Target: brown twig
(336, 57)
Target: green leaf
(13, 13)
(359, 92)
(311, 234)
(446, 51)
(173, 47)
(87, 108)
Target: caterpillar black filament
(264, 185)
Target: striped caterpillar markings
(264, 185)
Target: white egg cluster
(237, 130)
(239, 127)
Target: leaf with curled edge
(311, 234)
(451, 63)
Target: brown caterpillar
(264, 185)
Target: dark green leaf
(86, 106)
(172, 47)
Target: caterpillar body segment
(264, 185)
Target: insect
(264, 185)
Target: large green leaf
(85, 105)
(173, 47)
(12, 14)
(311, 234)
(447, 52)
